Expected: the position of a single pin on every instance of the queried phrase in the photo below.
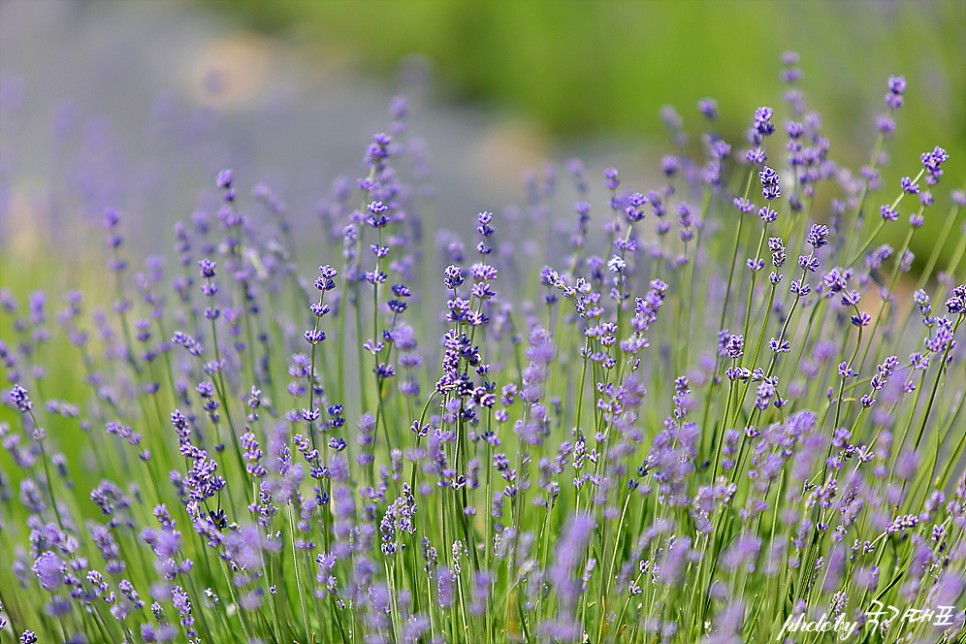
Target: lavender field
(357, 397)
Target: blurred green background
(582, 69)
(593, 67)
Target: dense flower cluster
(588, 440)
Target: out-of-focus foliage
(590, 66)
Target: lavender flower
(471, 448)
(50, 571)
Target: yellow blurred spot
(232, 71)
